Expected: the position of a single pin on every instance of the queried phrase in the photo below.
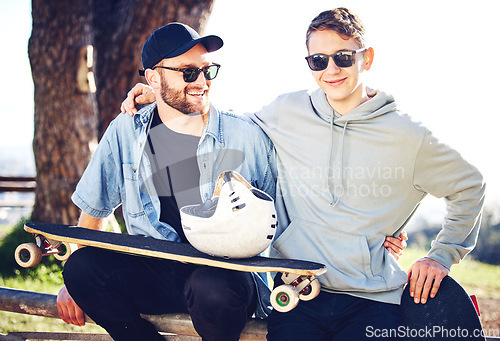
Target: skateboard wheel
(64, 252)
(28, 255)
(311, 291)
(284, 298)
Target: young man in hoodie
(351, 170)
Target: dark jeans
(333, 317)
(114, 289)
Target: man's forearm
(89, 222)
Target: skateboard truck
(286, 296)
(30, 254)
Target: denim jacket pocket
(132, 199)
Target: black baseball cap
(172, 40)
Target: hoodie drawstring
(341, 165)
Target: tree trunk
(69, 119)
(65, 118)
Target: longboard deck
(450, 315)
(150, 247)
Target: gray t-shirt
(175, 171)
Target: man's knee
(220, 302)
(214, 287)
(82, 267)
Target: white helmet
(238, 222)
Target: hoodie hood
(379, 104)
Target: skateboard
(451, 315)
(300, 277)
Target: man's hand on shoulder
(139, 94)
(425, 276)
(68, 310)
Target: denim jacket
(120, 172)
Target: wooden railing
(17, 184)
(178, 326)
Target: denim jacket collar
(144, 115)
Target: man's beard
(177, 99)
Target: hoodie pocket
(346, 255)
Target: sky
(16, 84)
(436, 57)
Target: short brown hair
(340, 20)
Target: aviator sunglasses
(191, 74)
(342, 59)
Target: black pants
(334, 317)
(115, 288)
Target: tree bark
(65, 118)
(69, 122)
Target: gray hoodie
(347, 182)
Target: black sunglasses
(191, 74)
(342, 59)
